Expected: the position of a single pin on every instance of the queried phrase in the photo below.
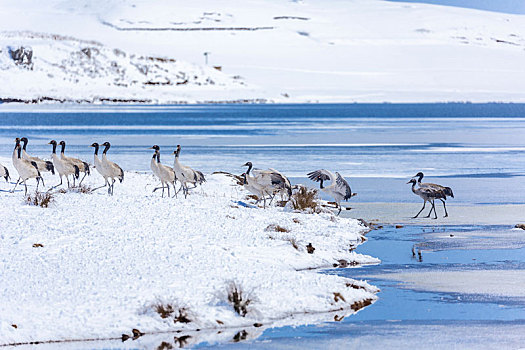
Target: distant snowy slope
(297, 51)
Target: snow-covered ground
(268, 50)
(104, 262)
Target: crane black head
(17, 142)
(54, 143)
(63, 144)
(155, 147)
(107, 145)
(420, 175)
(412, 181)
(96, 145)
(25, 141)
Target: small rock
(522, 226)
(125, 337)
(38, 245)
(257, 325)
(310, 248)
(399, 226)
(451, 235)
(14, 326)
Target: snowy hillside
(267, 50)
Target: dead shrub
(238, 298)
(41, 199)
(276, 228)
(306, 199)
(179, 314)
(358, 305)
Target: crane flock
(265, 184)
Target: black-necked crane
(26, 169)
(269, 181)
(62, 166)
(259, 186)
(99, 166)
(441, 192)
(82, 166)
(166, 174)
(185, 174)
(111, 169)
(427, 194)
(43, 165)
(338, 189)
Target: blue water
(478, 149)
(427, 316)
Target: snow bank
(105, 261)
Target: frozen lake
(478, 149)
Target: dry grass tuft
(338, 296)
(179, 314)
(276, 228)
(82, 189)
(252, 196)
(41, 199)
(239, 299)
(306, 200)
(358, 305)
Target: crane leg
(434, 207)
(175, 189)
(80, 183)
(424, 203)
(25, 185)
(444, 206)
(168, 185)
(17, 181)
(340, 208)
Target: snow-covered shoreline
(105, 262)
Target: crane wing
(342, 186)
(320, 174)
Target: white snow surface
(106, 260)
(269, 51)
